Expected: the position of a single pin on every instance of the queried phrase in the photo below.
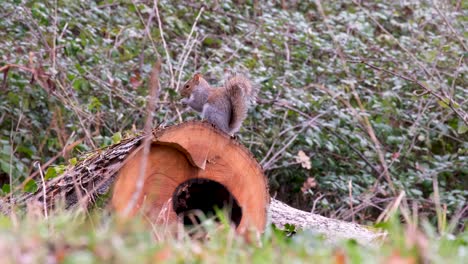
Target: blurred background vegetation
(359, 100)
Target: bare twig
(315, 202)
(286, 48)
(378, 172)
(187, 48)
(21, 67)
(274, 142)
(161, 31)
(441, 220)
(364, 121)
(54, 40)
(154, 88)
(350, 189)
(391, 208)
(361, 118)
(267, 165)
(374, 168)
(147, 27)
(381, 27)
(447, 100)
(36, 28)
(281, 151)
(12, 152)
(38, 165)
(449, 25)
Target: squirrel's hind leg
(215, 117)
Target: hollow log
(190, 166)
(194, 166)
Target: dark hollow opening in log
(196, 198)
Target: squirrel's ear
(197, 76)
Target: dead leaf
(397, 258)
(339, 256)
(303, 159)
(135, 80)
(163, 255)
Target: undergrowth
(76, 237)
(360, 101)
(368, 94)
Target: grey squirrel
(225, 107)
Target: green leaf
(116, 138)
(25, 150)
(80, 69)
(50, 173)
(462, 128)
(444, 103)
(289, 227)
(6, 188)
(5, 166)
(60, 169)
(94, 104)
(212, 42)
(173, 93)
(30, 186)
(73, 161)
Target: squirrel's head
(188, 87)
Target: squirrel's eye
(186, 86)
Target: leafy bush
(346, 82)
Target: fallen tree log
(193, 166)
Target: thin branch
(161, 31)
(36, 28)
(280, 152)
(381, 27)
(147, 27)
(154, 88)
(187, 48)
(350, 189)
(375, 169)
(274, 141)
(363, 119)
(38, 165)
(451, 103)
(449, 25)
(391, 208)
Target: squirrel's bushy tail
(242, 93)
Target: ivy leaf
(6, 188)
(462, 128)
(30, 186)
(50, 173)
(73, 161)
(116, 138)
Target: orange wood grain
(194, 150)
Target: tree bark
(333, 230)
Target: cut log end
(191, 169)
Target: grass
(76, 237)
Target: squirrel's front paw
(184, 101)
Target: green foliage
(314, 92)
